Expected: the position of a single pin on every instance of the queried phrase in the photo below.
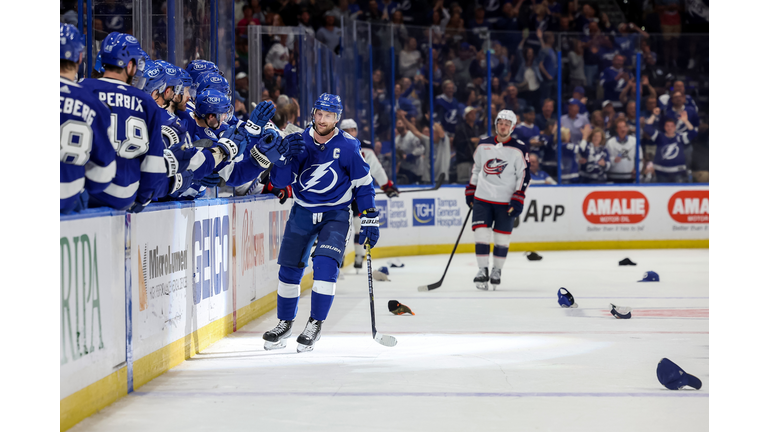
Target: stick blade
(430, 287)
(386, 340)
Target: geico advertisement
(555, 214)
(163, 263)
(92, 300)
(256, 234)
(212, 261)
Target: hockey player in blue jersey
(327, 177)
(135, 127)
(87, 157)
(496, 192)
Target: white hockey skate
(481, 279)
(276, 338)
(358, 265)
(495, 277)
(309, 336)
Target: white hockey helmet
(348, 124)
(506, 115)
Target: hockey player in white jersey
(377, 172)
(496, 192)
(327, 177)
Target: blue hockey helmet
(155, 75)
(71, 42)
(186, 78)
(213, 81)
(118, 49)
(212, 102)
(329, 102)
(197, 67)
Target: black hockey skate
(309, 336)
(495, 277)
(276, 338)
(481, 279)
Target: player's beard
(324, 132)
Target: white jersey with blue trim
(328, 176)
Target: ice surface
(469, 360)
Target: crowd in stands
(599, 112)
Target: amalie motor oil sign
(615, 207)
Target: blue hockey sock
(287, 308)
(321, 303)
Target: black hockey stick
(438, 183)
(386, 340)
(437, 284)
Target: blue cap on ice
(650, 276)
(674, 377)
(384, 269)
(565, 299)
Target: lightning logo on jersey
(317, 176)
(495, 166)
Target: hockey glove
(369, 227)
(228, 147)
(211, 180)
(137, 206)
(295, 143)
(282, 194)
(259, 117)
(238, 136)
(270, 148)
(469, 194)
(516, 204)
(183, 156)
(179, 183)
(390, 189)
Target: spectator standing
(677, 86)
(579, 99)
(410, 59)
(593, 157)
(538, 177)
(671, 26)
(412, 150)
(387, 8)
(278, 54)
(399, 30)
(669, 162)
(677, 107)
(447, 109)
(547, 65)
(547, 114)
(549, 138)
(576, 77)
(329, 34)
(512, 102)
(465, 141)
(573, 121)
(306, 23)
(622, 149)
(700, 163)
(528, 132)
(403, 103)
(341, 11)
(248, 19)
(695, 20)
(569, 161)
(528, 77)
(442, 149)
(508, 25)
(613, 80)
(628, 93)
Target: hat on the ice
(379, 276)
(621, 312)
(650, 276)
(384, 270)
(398, 308)
(674, 377)
(626, 261)
(395, 263)
(565, 299)
(532, 256)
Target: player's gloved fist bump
(260, 115)
(295, 143)
(270, 148)
(516, 204)
(469, 194)
(390, 189)
(369, 227)
(282, 194)
(238, 136)
(180, 182)
(211, 180)
(229, 147)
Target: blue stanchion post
(80, 16)
(393, 177)
(559, 114)
(170, 17)
(431, 116)
(638, 126)
(487, 85)
(89, 40)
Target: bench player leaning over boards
(327, 178)
(496, 192)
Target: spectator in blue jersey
(547, 65)
(538, 177)
(573, 121)
(669, 162)
(549, 144)
(387, 8)
(628, 40)
(547, 114)
(403, 103)
(569, 160)
(508, 26)
(677, 107)
(579, 99)
(477, 27)
(447, 108)
(613, 80)
(465, 142)
(528, 132)
(512, 102)
(594, 159)
(677, 86)
(628, 93)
